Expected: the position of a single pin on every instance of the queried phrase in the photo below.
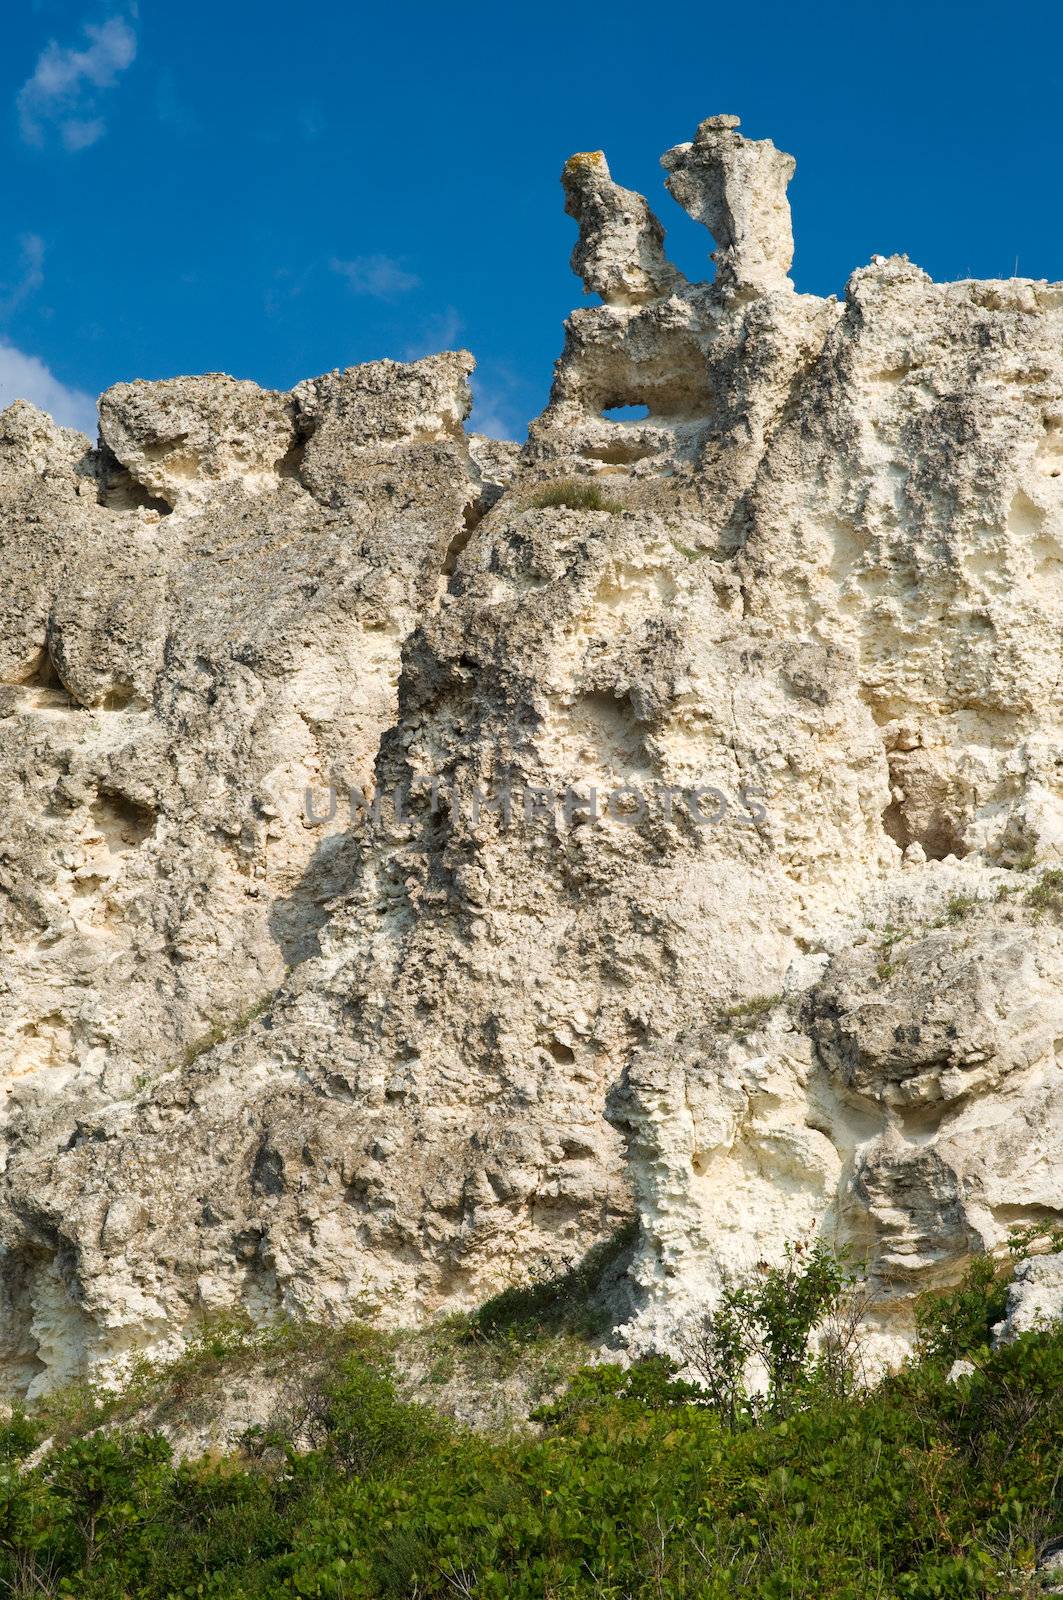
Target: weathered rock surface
(1035, 1298)
(397, 1063)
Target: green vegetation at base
(637, 1484)
(568, 1304)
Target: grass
(227, 1028)
(573, 494)
(890, 936)
(191, 1387)
(522, 1345)
(959, 906)
(1047, 893)
(748, 1014)
(524, 1342)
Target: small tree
(798, 1321)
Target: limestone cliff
(718, 765)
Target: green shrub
(959, 906)
(798, 1322)
(649, 1383)
(919, 1489)
(571, 1302)
(748, 1014)
(1047, 893)
(18, 1436)
(362, 1425)
(956, 1323)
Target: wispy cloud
(382, 277)
(172, 110)
(500, 403)
(63, 90)
(25, 377)
(439, 332)
(310, 120)
(30, 273)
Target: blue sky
(275, 190)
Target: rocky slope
(717, 757)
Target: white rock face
(737, 188)
(1035, 1299)
(395, 1064)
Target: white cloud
(382, 277)
(24, 377)
(78, 133)
(499, 404)
(487, 418)
(31, 273)
(63, 88)
(440, 332)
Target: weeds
(1047, 893)
(573, 494)
(954, 1324)
(886, 965)
(748, 1014)
(227, 1028)
(569, 1303)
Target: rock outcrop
(1035, 1299)
(411, 873)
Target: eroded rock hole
(267, 1172)
(42, 674)
(122, 697)
(930, 805)
(621, 452)
(38, 687)
(629, 413)
(940, 834)
(123, 823)
(609, 734)
(120, 491)
(290, 464)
